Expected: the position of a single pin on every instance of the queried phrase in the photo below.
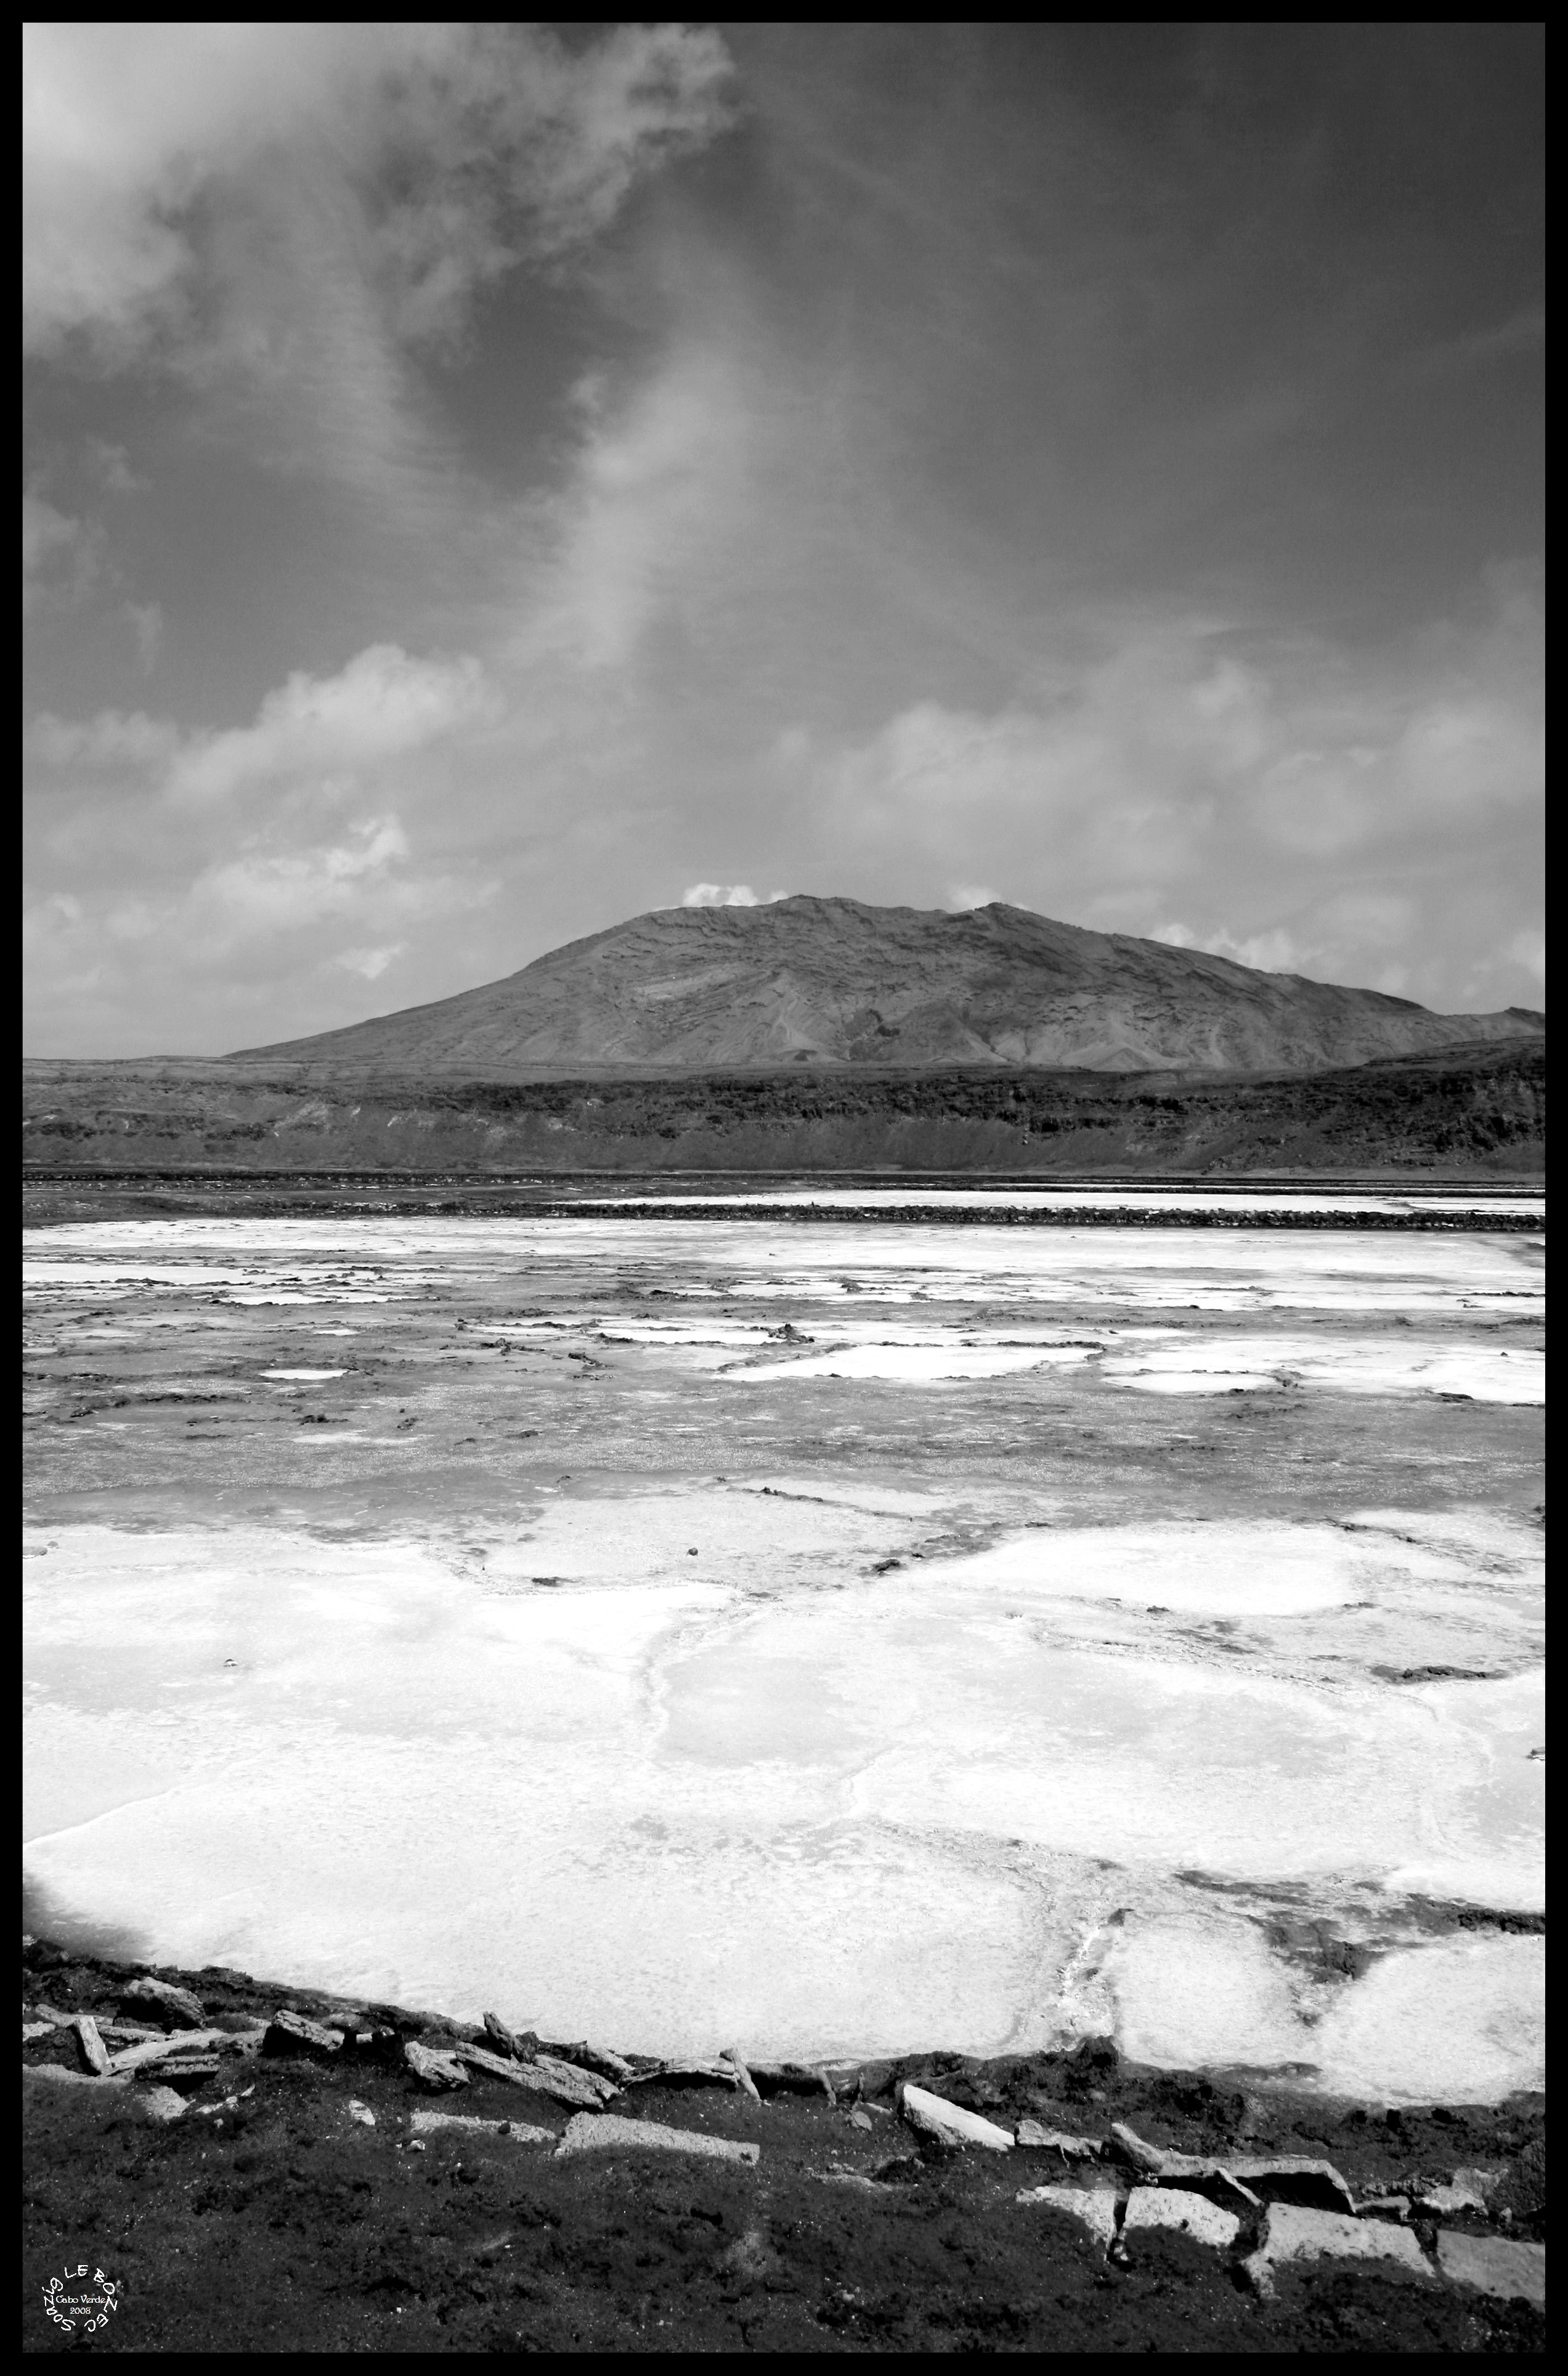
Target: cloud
(315, 732)
(60, 556)
(654, 493)
(212, 873)
(719, 895)
(1297, 808)
(263, 892)
(235, 197)
(147, 625)
(369, 964)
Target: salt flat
(829, 1639)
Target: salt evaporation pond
(828, 1640)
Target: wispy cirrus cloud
(284, 213)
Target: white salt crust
(811, 1762)
(833, 1822)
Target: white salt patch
(304, 1374)
(1377, 1365)
(686, 1332)
(916, 1364)
(862, 1492)
(1225, 1270)
(1460, 2020)
(1223, 1570)
(1456, 2019)
(1189, 1994)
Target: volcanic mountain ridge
(829, 981)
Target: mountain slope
(834, 981)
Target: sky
(484, 481)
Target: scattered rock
(692, 2074)
(744, 2079)
(1189, 2215)
(94, 2053)
(162, 2001)
(1467, 2191)
(591, 2057)
(1494, 2264)
(32, 2029)
(1292, 2232)
(791, 2079)
(187, 2070)
(360, 2112)
(1293, 2177)
(432, 2069)
(610, 2131)
(1096, 2206)
(522, 2132)
(860, 2119)
(497, 2031)
(229, 2104)
(1032, 2134)
(291, 2033)
(162, 2050)
(564, 2083)
(162, 2104)
(935, 2117)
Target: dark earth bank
(291, 2206)
(1475, 1113)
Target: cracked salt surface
(823, 1758)
(656, 1809)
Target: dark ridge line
(1196, 1183)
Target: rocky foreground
(214, 2163)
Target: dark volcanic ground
(1467, 1113)
(285, 2223)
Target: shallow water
(566, 1637)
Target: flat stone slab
(690, 2072)
(1031, 2135)
(94, 2053)
(180, 2047)
(1095, 2206)
(162, 2001)
(1244, 2175)
(432, 2069)
(564, 2083)
(291, 2032)
(1494, 2264)
(1186, 2214)
(611, 2131)
(521, 2132)
(1292, 2232)
(935, 2117)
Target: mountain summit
(837, 982)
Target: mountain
(835, 982)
